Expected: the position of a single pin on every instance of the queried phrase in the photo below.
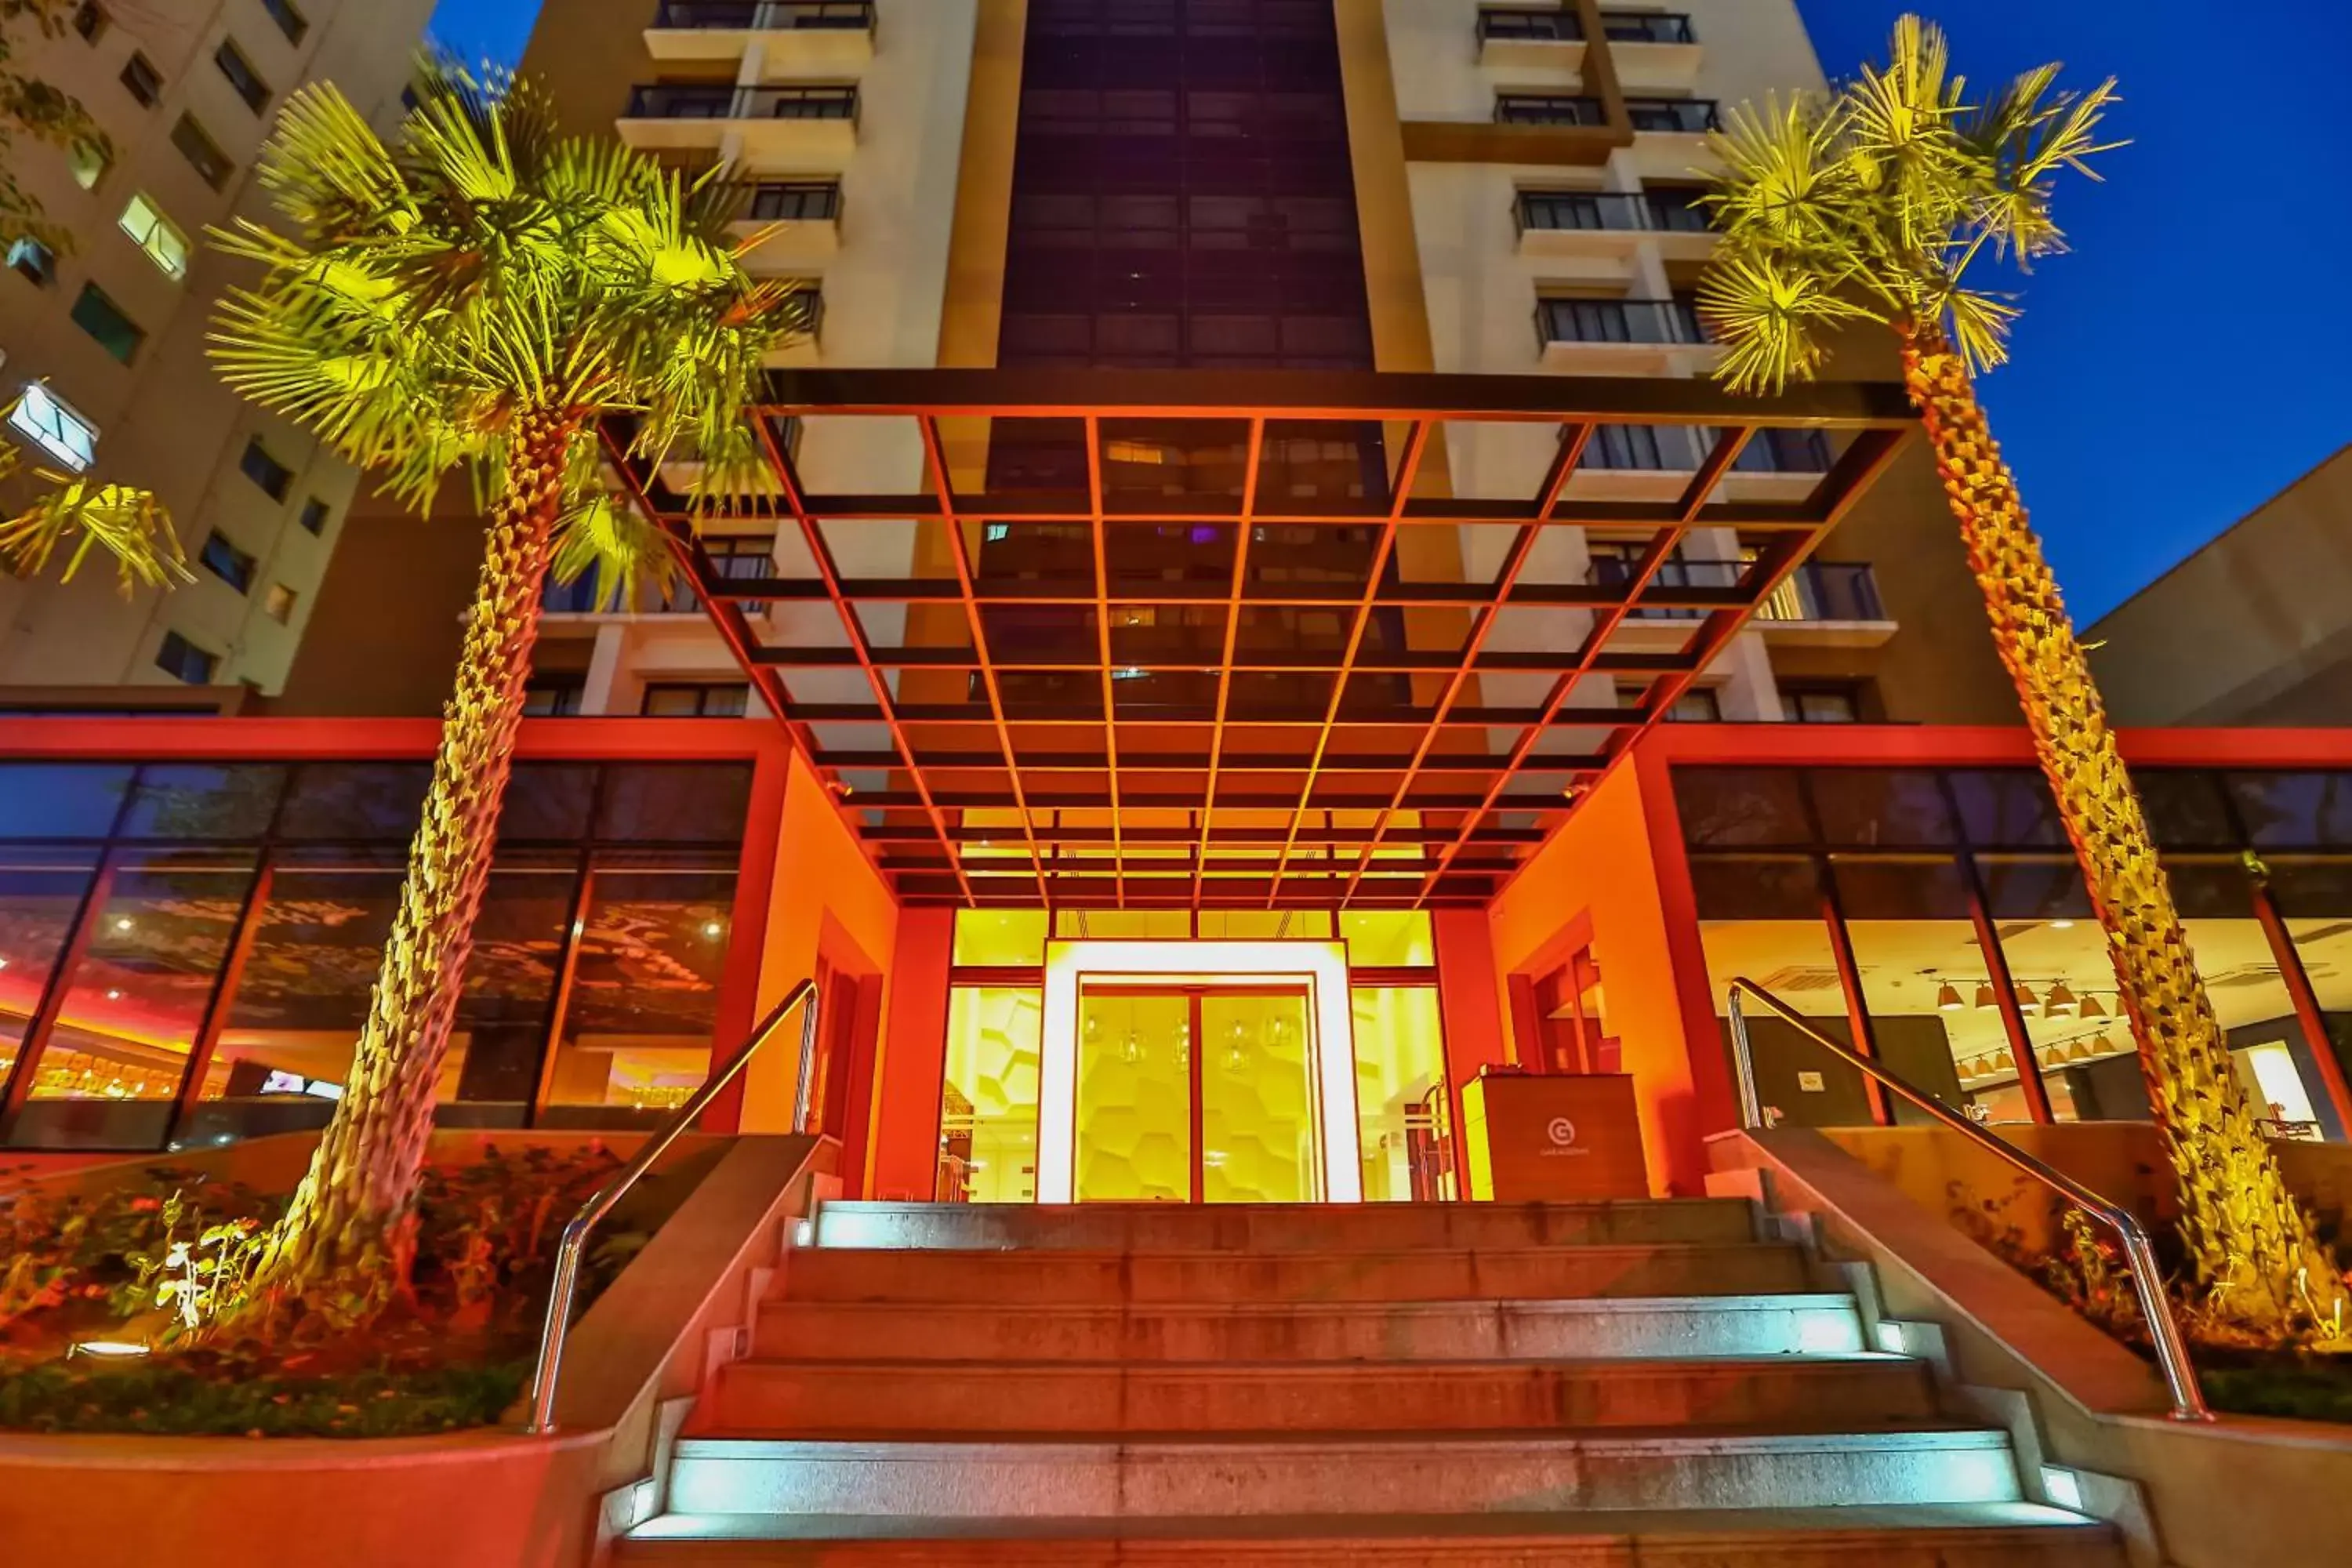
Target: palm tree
(1874, 203)
(482, 295)
(127, 522)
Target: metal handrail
(2147, 1280)
(568, 1251)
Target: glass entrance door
(1199, 1094)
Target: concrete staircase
(1471, 1386)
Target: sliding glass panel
(1135, 1096)
(1257, 1099)
(1400, 1104)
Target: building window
(278, 603)
(273, 476)
(51, 424)
(290, 22)
(103, 319)
(156, 234)
(89, 163)
(202, 153)
(556, 695)
(90, 21)
(242, 76)
(695, 700)
(1839, 704)
(1699, 705)
(227, 562)
(314, 517)
(183, 660)
(142, 81)
(28, 258)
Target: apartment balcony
(1611, 223)
(1548, 108)
(739, 560)
(1822, 603)
(1546, 36)
(802, 218)
(1622, 337)
(1653, 50)
(796, 38)
(814, 124)
(1691, 117)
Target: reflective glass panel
(999, 936)
(1135, 1096)
(988, 1097)
(1383, 938)
(40, 892)
(1402, 1121)
(643, 1002)
(1257, 1098)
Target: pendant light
(2060, 1002)
(2090, 1007)
(2026, 1000)
(1948, 998)
(1986, 1000)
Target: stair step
(1983, 1535)
(1759, 1324)
(1078, 1278)
(1278, 1228)
(1263, 1474)
(843, 1398)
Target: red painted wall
(904, 1140)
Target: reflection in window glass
(59, 800)
(2291, 810)
(2185, 808)
(134, 1001)
(203, 800)
(1922, 975)
(2007, 808)
(1764, 918)
(988, 1097)
(1383, 938)
(674, 803)
(999, 936)
(643, 1004)
(2066, 987)
(1737, 807)
(1881, 805)
(284, 1056)
(1401, 1098)
(2314, 899)
(40, 891)
(502, 1015)
(374, 801)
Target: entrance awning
(1248, 639)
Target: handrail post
(2148, 1278)
(569, 1249)
(1751, 1114)
(808, 1067)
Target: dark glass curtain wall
(186, 949)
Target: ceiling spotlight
(114, 996)
(711, 929)
(1948, 998)
(2062, 925)
(123, 922)
(2060, 1001)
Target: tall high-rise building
(1419, 186)
(102, 344)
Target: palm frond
(1879, 199)
(128, 523)
(629, 557)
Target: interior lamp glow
(116, 1350)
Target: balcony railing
(1646, 27)
(1548, 109)
(1626, 210)
(767, 15)
(1618, 321)
(794, 201)
(675, 101)
(1689, 115)
(577, 598)
(1817, 591)
(1532, 24)
(1680, 448)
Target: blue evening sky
(2190, 360)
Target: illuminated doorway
(1200, 1093)
(1197, 1072)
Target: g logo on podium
(1562, 1132)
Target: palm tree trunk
(2252, 1247)
(344, 1219)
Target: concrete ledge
(2239, 1492)
(481, 1499)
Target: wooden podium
(1564, 1137)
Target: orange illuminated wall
(905, 1130)
(825, 897)
(1600, 876)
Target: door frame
(1319, 966)
(1195, 990)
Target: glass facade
(1942, 911)
(187, 949)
